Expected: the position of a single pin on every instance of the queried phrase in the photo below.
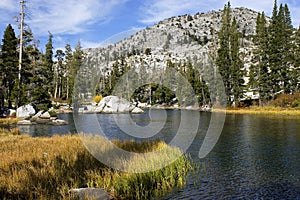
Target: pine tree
(9, 64)
(237, 71)
(68, 62)
(48, 65)
(228, 60)
(223, 55)
(287, 51)
(259, 81)
(296, 70)
(59, 70)
(280, 50)
(81, 80)
(41, 81)
(29, 53)
(274, 51)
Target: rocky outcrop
(43, 117)
(25, 111)
(111, 104)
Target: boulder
(90, 193)
(142, 105)
(45, 115)
(108, 109)
(100, 107)
(25, 111)
(37, 115)
(114, 104)
(10, 112)
(137, 110)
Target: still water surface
(256, 157)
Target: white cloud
(8, 5)
(155, 10)
(63, 17)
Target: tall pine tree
(259, 72)
(228, 60)
(9, 64)
(223, 55)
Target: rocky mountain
(178, 39)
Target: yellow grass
(7, 121)
(261, 110)
(46, 168)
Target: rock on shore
(111, 104)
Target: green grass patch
(47, 168)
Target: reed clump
(7, 132)
(47, 168)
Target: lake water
(256, 156)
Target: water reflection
(256, 157)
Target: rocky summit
(192, 38)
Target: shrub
(98, 98)
(287, 100)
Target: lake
(256, 156)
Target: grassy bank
(272, 110)
(46, 168)
(7, 121)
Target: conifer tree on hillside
(237, 71)
(81, 82)
(59, 71)
(259, 71)
(9, 63)
(280, 49)
(41, 82)
(68, 62)
(296, 70)
(29, 56)
(228, 59)
(48, 65)
(223, 55)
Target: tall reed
(47, 168)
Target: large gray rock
(90, 193)
(25, 111)
(114, 104)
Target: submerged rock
(24, 122)
(137, 110)
(58, 122)
(90, 193)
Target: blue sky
(94, 21)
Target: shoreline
(250, 110)
(260, 111)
